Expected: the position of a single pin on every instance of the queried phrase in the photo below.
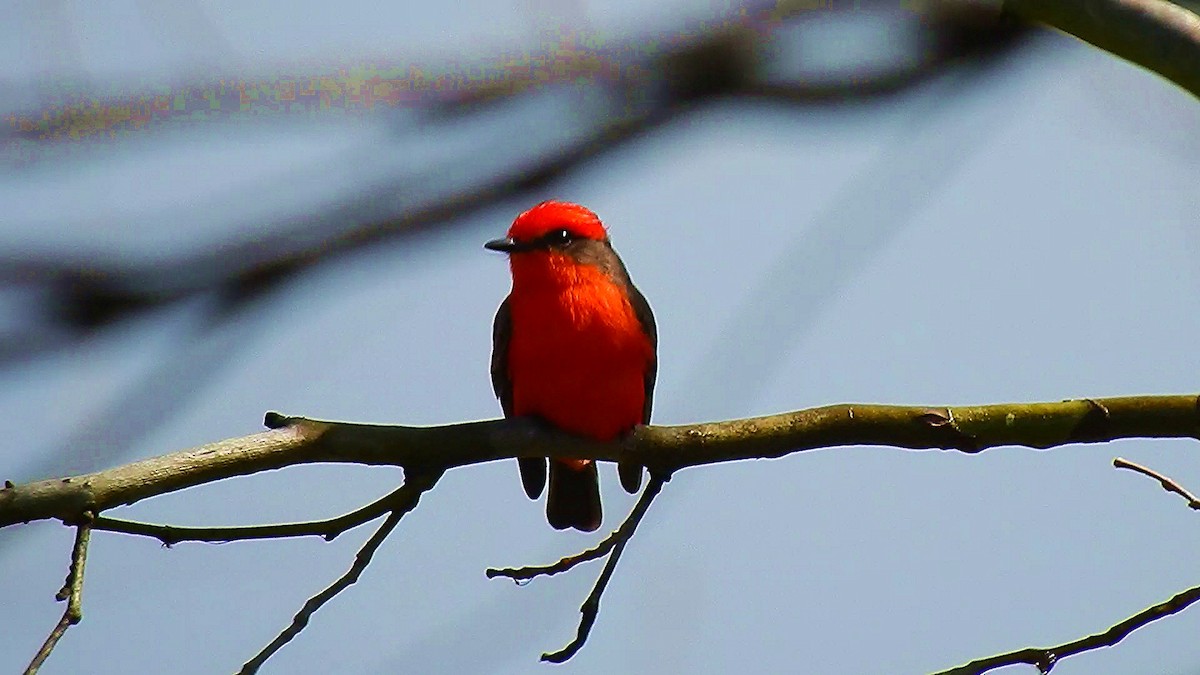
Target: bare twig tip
(1166, 482)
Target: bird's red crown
(546, 217)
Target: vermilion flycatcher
(573, 345)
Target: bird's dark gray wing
(631, 474)
(533, 469)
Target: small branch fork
(72, 592)
(613, 545)
(1045, 658)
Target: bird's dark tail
(573, 499)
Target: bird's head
(551, 240)
(548, 226)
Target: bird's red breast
(579, 354)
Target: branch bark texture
(1156, 34)
(294, 440)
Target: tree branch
(406, 500)
(1044, 658)
(1167, 483)
(624, 531)
(329, 529)
(519, 574)
(1155, 34)
(72, 592)
(294, 440)
(591, 605)
(426, 452)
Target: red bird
(573, 345)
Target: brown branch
(414, 486)
(1167, 483)
(520, 574)
(329, 529)
(569, 562)
(591, 606)
(72, 592)
(1044, 658)
(295, 440)
(1155, 34)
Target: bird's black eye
(559, 237)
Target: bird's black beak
(507, 245)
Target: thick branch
(1155, 34)
(297, 441)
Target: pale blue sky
(1019, 233)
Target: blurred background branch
(1158, 35)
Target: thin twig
(72, 592)
(1044, 658)
(1167, 483)
(525, 573)
(329, 529)
(413, 488)
(591, 606)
